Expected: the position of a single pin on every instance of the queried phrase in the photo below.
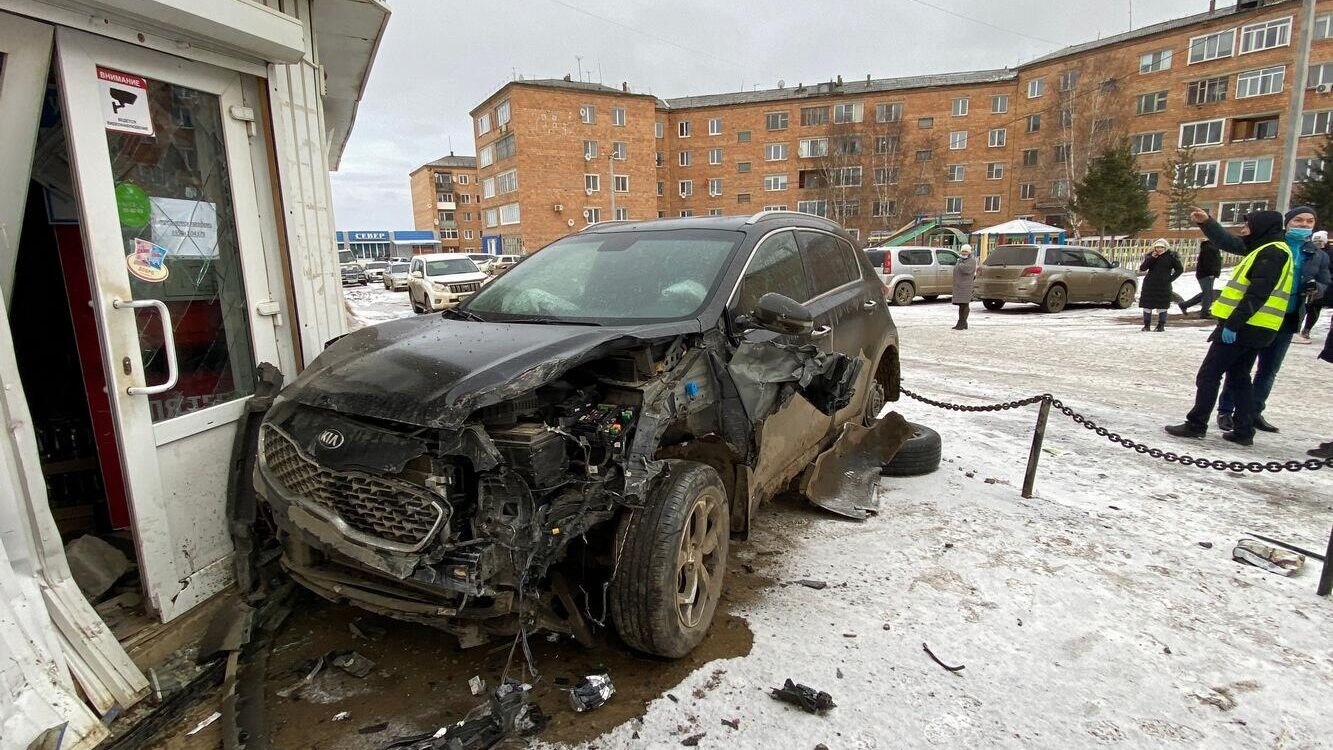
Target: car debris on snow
(811, 584)
(693, 740)
(342, 716)
(807, 698)
(207, 720)
(476, 684)
(1267, 557)
(591, 692)
(733, 723)
(936, 659)
(506, 714)
(352, 663)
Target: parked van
(913, 271)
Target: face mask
(1299, 234)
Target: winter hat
(1265, 227)
(1320, 235)
(1297, 211)
(965, 247)
(1162, 243)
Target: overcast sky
(440, 58)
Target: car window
(450, 266)
(1094, 259)
(1012, 255)
(947, 257)
(828, 261)
(876, 256)
(916, 256)
(398, 268)
(774, 267)
(416, 266)
(1052, 256)
(1072, 258)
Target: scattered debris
(1265, 557)
(591, 692)
(208, 720)
(838, 673)
(991, 480)
(1020, 622)
(948, 545)
(366, 631)
(849, 635)
(352, 663)
(506, 714)
(1114, 507)
(733, 723)
(887, 626)
(476, 684)
(970, 474)
(295, 688)
(1292, 547)
(693, 740)
(95, 565)
(373, 728)
(821, 746)
(1206, 545)
(812, 584)
(342, 716)
(673, 698)
(1166, 650)
(936, 659)
(807, 698)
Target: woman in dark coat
(964, 275)
(1163, 267)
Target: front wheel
(671, 560)
(1055, 300)
(992, 304)
(1125, 297)
(903, 293)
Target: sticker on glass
(132, 205)
(124, 102)
(186, 228)
(146, 262)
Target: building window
(812, 147)
(997, 137)
(620, 183)
(847, 145)
(468, 234)
(1147, 104)
(1254, 128)
(620, 150)
(1319, 74)
(888, 112)
(488, 187)
(953, 205)
(742, 197)
(506, 182)
(622, 214)
(592, 183)
(775, 151)
(844, 209)
(714, 212)
(504, 148)
(1145, 143)
(921, 188)
(509, 214)
(1068, 80)
(1152, 62)
(886, 175)
(886, 144)
(776, 120)
(618, 116)
(883, 208)
(1249, 171)
(1212, 46)
(1066, 116)
(818, 208)
(686, 188)
(1315, 123)
(957, 140)
(743, 136)
(1323, 26)
(1059, 189)
(845, 177)
(715, 186)
(661, 158)
(1034, 123)
(848, 113)
(1260, 82)
(924, 154)
(462, 179)
(1203, 175)
(995, 170)
(776, 207)
(925, 122)
(775, 182)
(742, 167)
(1208, 90)
(814, 115)
(1233, 212)
(1265, 35)
(1030, 157)
(683, 129)
(486, 156)
(1036, 87)
(715, 126)
(592, 215)
(991, 204)
(960, 105)
(483, 123)
(1206, 133)
(955, 173)
(589, 150)
(587, 114)
(1027, 191)
(1309, 169)
(444, 197)
(659, 129)
(449, 234)
(661, 188)
(1062, 153)
(683, 158)
(502, 113)
(999, 104)
(1148, 180)
(685, 213)
(714, 156)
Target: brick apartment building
(447, 197)
(976, 147)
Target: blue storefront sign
(368, 236)
(490, 244)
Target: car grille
(376, 507)
(471, 286)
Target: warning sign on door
(125, 102)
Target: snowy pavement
(1104, 611)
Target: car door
(1105, 282)
(415, 278)
(843, 302)
(945, 260)
(1078, 278)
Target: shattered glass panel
(179, 232)
(774, 267)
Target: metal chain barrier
(1255, 467)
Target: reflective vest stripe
(1242, 287)
(1274, 309)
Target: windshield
(480, 258)
(398, 267)
(450, 267)
(1012, 255)
(665, 275)
(346, 256)
(377, 264)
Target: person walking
(1316, 305)
(1250, 310)
(1206, 271)
(1298, 225)
(1163, 267)
(964, 274)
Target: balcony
(445, 206)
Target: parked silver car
(913, 271)
(1052, 276)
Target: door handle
(868, 303)
(821, 331)
(168, 343)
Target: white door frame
(168, 587)
(30, 42)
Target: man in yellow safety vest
(1250, 310)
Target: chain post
(1038, 436)
(1326, 577)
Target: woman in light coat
(964, 273)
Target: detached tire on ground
(672, 561)
(919, 455)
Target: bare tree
(1088, 94)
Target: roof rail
(606, 223)
(766, 213)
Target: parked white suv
(442, 280)
(913, 271)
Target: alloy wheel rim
(698, 559)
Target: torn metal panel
(845, 478)
(765, 373)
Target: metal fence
(1129, 252)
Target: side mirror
(417, 275)
(780, 314)
(1115, 264)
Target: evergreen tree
(1111, 196)
(1316, 190)
(1183, 194)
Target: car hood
(457, 278)
(434, 372)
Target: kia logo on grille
(331, 439)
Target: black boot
(1161, 321)
(1186, 430)
(1225, 422)
(1147, 321)
(1262, 424)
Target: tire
(388, 287)
(919, 455)
(1125, 297)
(930, 297)
(645, 590)
(415, 308)
(903, 293)
(1055, 300)
(992, 304)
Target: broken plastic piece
(591, 692)
(209, 720)
(804, 696)
(342, 716)
(476, 684)
(845, 478)
(1266, 557)
(352, 663)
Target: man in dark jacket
(1250, 310)
(1299, 224)
(1206, 271)
(1316, 303)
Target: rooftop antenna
(580, 59)
(451, 144)
(599, 71)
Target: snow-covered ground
(1104, 611)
